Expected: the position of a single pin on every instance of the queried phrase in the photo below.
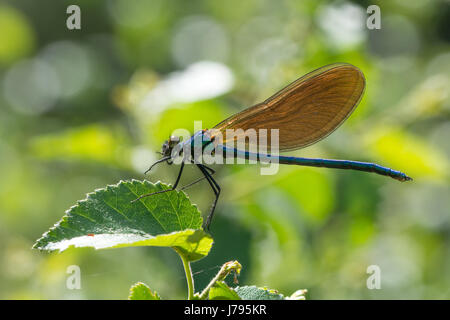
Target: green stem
(221, 275)
(188, 271)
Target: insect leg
(167, 190)
(159, 161)
(216, 189)
(212, 171)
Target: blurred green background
(80, 109)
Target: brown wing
(305, 111)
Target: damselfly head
(168, 145)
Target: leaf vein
(148, 209)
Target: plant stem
(221, 275)
(188, 271)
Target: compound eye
(165, 147)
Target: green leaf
(221, 291)
(141, 291)
(255, 293)
(108, 218)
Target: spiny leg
(216, 190)
(212, 171)
(167, 190)
(154, 164)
